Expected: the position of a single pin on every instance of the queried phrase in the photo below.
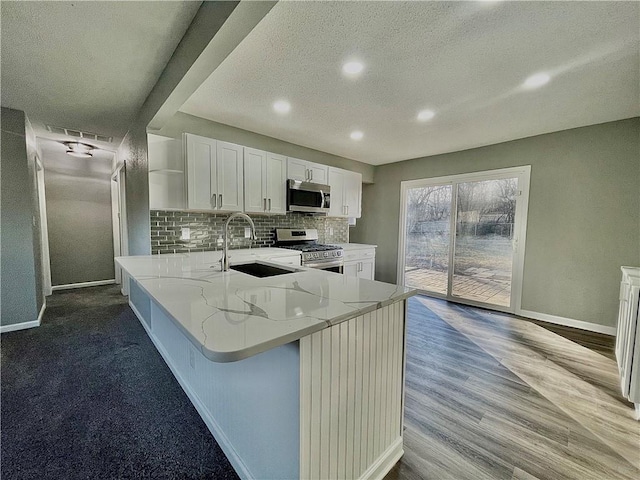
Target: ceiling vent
(78, 134)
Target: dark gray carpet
(87, 396)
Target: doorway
(119, 222)
(462, 237)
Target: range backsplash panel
(206, 230)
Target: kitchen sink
(260, 270)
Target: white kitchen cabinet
(628, 336)
(360, 262)
(346, 193)
(276, 183)
(353, 194)
(166, 173)
(307, 171)
(230, 177)
(214, 174)
(265, 176)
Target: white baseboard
(568, 322)
(69, 286)
(25, 325)
(379, 469)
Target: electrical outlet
(185, 233)
(330, 230)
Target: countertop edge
(246, 352)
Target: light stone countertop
(354, 246)
(231, 315)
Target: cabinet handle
(347, 207)
(311, 175)
(265, 204)
(269, 204)
(220, 206)
(214, 200)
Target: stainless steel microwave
(308, 197)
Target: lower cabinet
(360, 263)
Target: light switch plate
(185, 233)
(247, 232)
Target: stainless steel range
(314, 254)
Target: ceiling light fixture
(282, 106)
(357, 135)
(352, 69)
(425, 115)
(537, 80)
(80, 150)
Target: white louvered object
(628, 336)
(351, 386)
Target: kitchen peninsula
(297, 375)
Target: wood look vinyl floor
(491, 396)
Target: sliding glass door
(428, 237)
(462, 237)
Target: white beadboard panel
(356, 370)
(251, 406)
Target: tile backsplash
(207, 230)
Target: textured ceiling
(87, 65)
(464, 60)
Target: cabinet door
(319, 173)
(337, 183)
(255, 196)
(230, 185)
(350, 269)
(353, 194)
(366, 269)
(297, 169)
(276, 179)
(202, 179)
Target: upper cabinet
(166, 173)
(307, 171)
(230, 174)
(265, 176)
(214, 174)
(200, 173)
(346, 193)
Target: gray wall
(181, 122)
(20, 298)
(78, 192)
(583, 222)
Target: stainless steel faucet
(225, 255)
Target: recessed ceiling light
(357, 135)
(537, 80)
(282, 106)
(352, 69)
(424, 115)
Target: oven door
(308, 197)
(336, 267)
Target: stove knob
(326, 254)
